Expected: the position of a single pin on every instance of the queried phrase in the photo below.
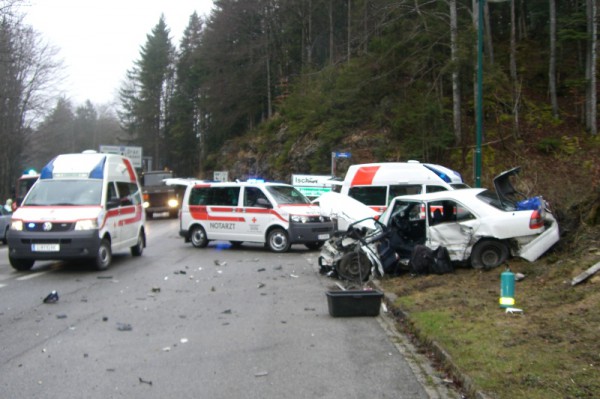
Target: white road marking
(29, 276)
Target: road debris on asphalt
(51, 297)
(142, 381)
(124, 327)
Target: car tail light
(536, 221)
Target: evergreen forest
(270, 88)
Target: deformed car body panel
(474, 215)
(345, 210)
(542, 243)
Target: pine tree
(146, 95)
(186, 130)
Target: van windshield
(65, 192)
(287, 195)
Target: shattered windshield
(65, 192)
(287, 195)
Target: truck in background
(159, 197)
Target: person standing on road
(8, 206)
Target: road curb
(462, 381)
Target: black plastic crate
(354, 303)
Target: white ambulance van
(84, 206)
(376, 184)
(274, 214)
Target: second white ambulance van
(376, 184)
(84, 206)
(275, 214)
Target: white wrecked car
(474, 225)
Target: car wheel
(354, 267)
(103, 256)
(314, 245)
(21, 264)
(278, 240)
(488, 254)
(138, 248)
(198, 237)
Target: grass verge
(551, 350)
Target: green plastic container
(507, 289)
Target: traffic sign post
(133, 153)
(334, 156)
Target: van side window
(369, 195)
(199, 196)
(251, 196)
(404, 189)
(111, 192)
(135, 194)
(124, 193)
(227, 196)
(434, 189)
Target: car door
(453, 226)
(129, 214)
(257, 213)
(223, 219)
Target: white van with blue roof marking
(84, 206)
(376, 184)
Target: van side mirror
(263, 203)
(112, 203)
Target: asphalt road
(194, 323)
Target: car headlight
(299, 219)
(173, 203)
(87, 224)
(146, 204)
(16, 225)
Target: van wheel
(138, 248)
(278, 240)
(104, 255)
(198, 237)
(488, 254)
(354, 267)
(21, 264)
(314, 245)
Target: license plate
(45, 247)
(323, 236)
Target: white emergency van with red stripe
(274, 214)
(84, 206)
(376, 184)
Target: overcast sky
(99, 40)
